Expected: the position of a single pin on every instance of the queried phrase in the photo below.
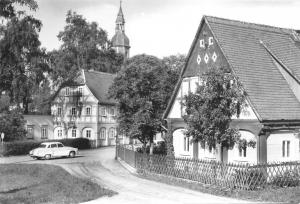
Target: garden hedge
(23, 147)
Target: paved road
(100, 166)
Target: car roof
(47, 143)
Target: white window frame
(210, 41)
(73, 112)
(186, 144)
(59, 111)
(88, 110)
(103, 111)
(74, 133)
(59, 133)
(286, 148)
(112, 132)
(88, 133)
(103, 133)
(67, 91)
(44, 132)
(30, 131)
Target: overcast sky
(163, 27)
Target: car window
(60, 145)
(42, 146)
(53, 145)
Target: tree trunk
(151, 146)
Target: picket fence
(222, 175)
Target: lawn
(41, 183)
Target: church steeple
(120, 21)
(120, 41)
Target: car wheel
(48, 156)
(72, 154)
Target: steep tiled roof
(253, 52)
(247, 48)
(99, 83)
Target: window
(44, 132)
(286, 148)
(186, 144)
(103, 111)
(112, 111)
(88, 133)
(60, 145)
(102, 133)
(243, 151)
(210, 41)
(80, 90)
(73, 132)
(59, 133)
(88, 110)
(202, 43)
(67, 91)
(112, 132)
(30, 132)
(73, 111)
(53, 145)
(59, 111)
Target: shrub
(289, 178)
(80, 143)
(159, 148)
(19, 147)
(255, 178)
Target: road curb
(128, 167)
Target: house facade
(266, 60)
(81, 110)
(39, 127)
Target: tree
(210, 109)
(12, 125)
(137, 88)
(84, 46)
(22, 61)
(174, 64)
(7, 9)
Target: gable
(206, 53)
(243, 45)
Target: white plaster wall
(274, 147)
(92, 133)
(251, 153)
(55, 133)
(204, 153)
(178, 143)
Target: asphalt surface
(100, 166)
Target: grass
(41, 183)
(271, 194)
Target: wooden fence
(223, 175)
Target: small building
(39, 127)
(266, 60)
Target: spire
(120, 18)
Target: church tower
(120, 42)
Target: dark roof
(99, 83)
(38, 120)
(120, 39)
(251, 50)
(120, 18)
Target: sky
(162, 27)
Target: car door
(61, 150)
(54, 150)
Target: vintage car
(48, 150)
